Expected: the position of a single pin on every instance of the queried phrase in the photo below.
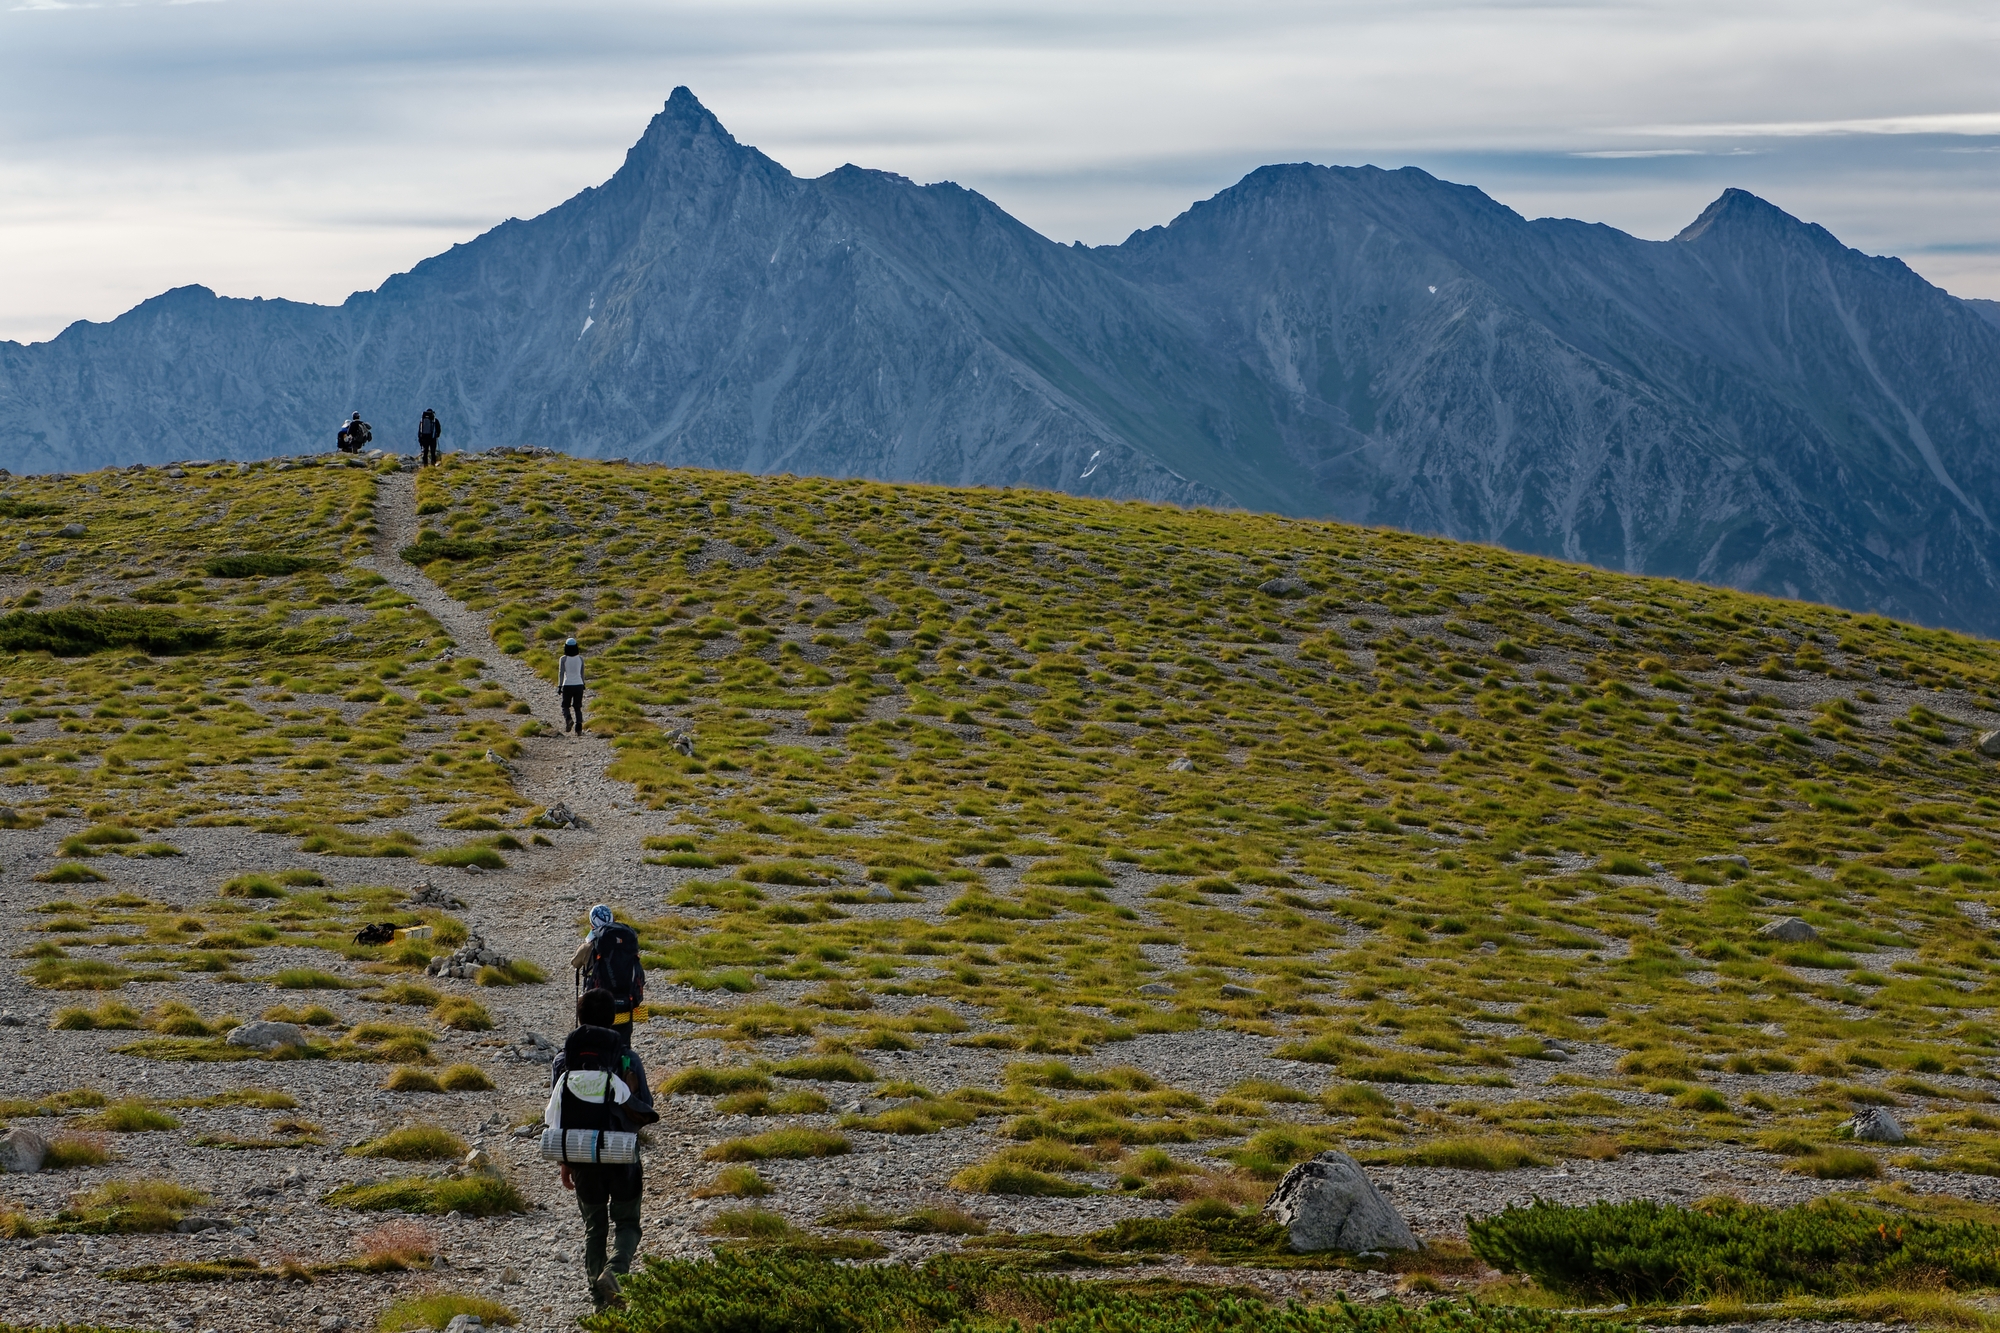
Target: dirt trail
(553, 767)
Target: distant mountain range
(1750, 403)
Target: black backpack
(363, 433)
(615, 967)
(594, 1049)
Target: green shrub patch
(258, 565)
(1645, 1253)
(78, 631)
(737, 1292)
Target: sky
(311, 148)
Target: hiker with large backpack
(598, 1102)
(428, 430)
(608, 960)
(353, 435)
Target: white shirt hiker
(570, 669)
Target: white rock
(1789, 929)
(1874, 1124)
(1989, 744)
(264, 1036)
(1330, 1204)
(22, 1151)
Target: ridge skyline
(1750, 402)
(690, 102)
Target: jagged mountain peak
(685, 139)
(1753, 404)
(1738, 216)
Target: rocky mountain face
(1749, 403)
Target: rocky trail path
(532, 910)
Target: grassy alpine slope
(1419, 810)
(1074, 862)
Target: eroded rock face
(264, 1036)
(1330, 1204)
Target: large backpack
(363, 433)
(614, 965)
(595, 1128)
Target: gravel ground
(529, 910)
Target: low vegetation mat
(778, 1294)
(1643, 1252)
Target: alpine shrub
(1643, 1252)
(78, 631)
(775, 1293)
(257, 565)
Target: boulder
(1330, 1204)
(1232, 991)
(1283, 588)
(266, 1036)
(1989, 744)
(1874, 1124)
(22, 1151)
(1788, 929)
(1156, 988)
(71, 530)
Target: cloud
(1980, 123)
(1612, 154)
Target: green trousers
(608, 1197)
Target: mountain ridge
(1750, 402)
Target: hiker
(569, 677)
(598, 1083)
(608, 960)
(354, 435)
(428, 431)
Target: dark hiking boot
(604, 1291)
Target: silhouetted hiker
(569, 678)
(598, 1101)
(354, 435)
(428, 431)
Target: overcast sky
(309, 148)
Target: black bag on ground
(615, 967)
(378, 932)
